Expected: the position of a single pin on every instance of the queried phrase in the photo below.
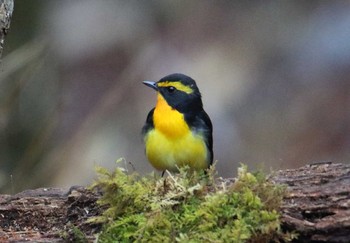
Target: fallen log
(317, 203)
(316, 207)
(48, 215)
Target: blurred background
(274, 75)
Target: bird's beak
(151, 84)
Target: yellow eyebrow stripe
(178, 85)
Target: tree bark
(6, 9)
(48, 215)
(316, 206)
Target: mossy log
(316, 207)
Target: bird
(178, 132)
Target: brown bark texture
(316, 206)
(48, 215)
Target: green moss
(73, 234)
(78, 236)
(189, 207)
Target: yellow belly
(168, 153)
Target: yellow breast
(171, 143)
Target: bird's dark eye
(171, 89)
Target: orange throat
(168, 120)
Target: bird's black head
(180, 92)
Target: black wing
(149, 123)
(201, 123)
